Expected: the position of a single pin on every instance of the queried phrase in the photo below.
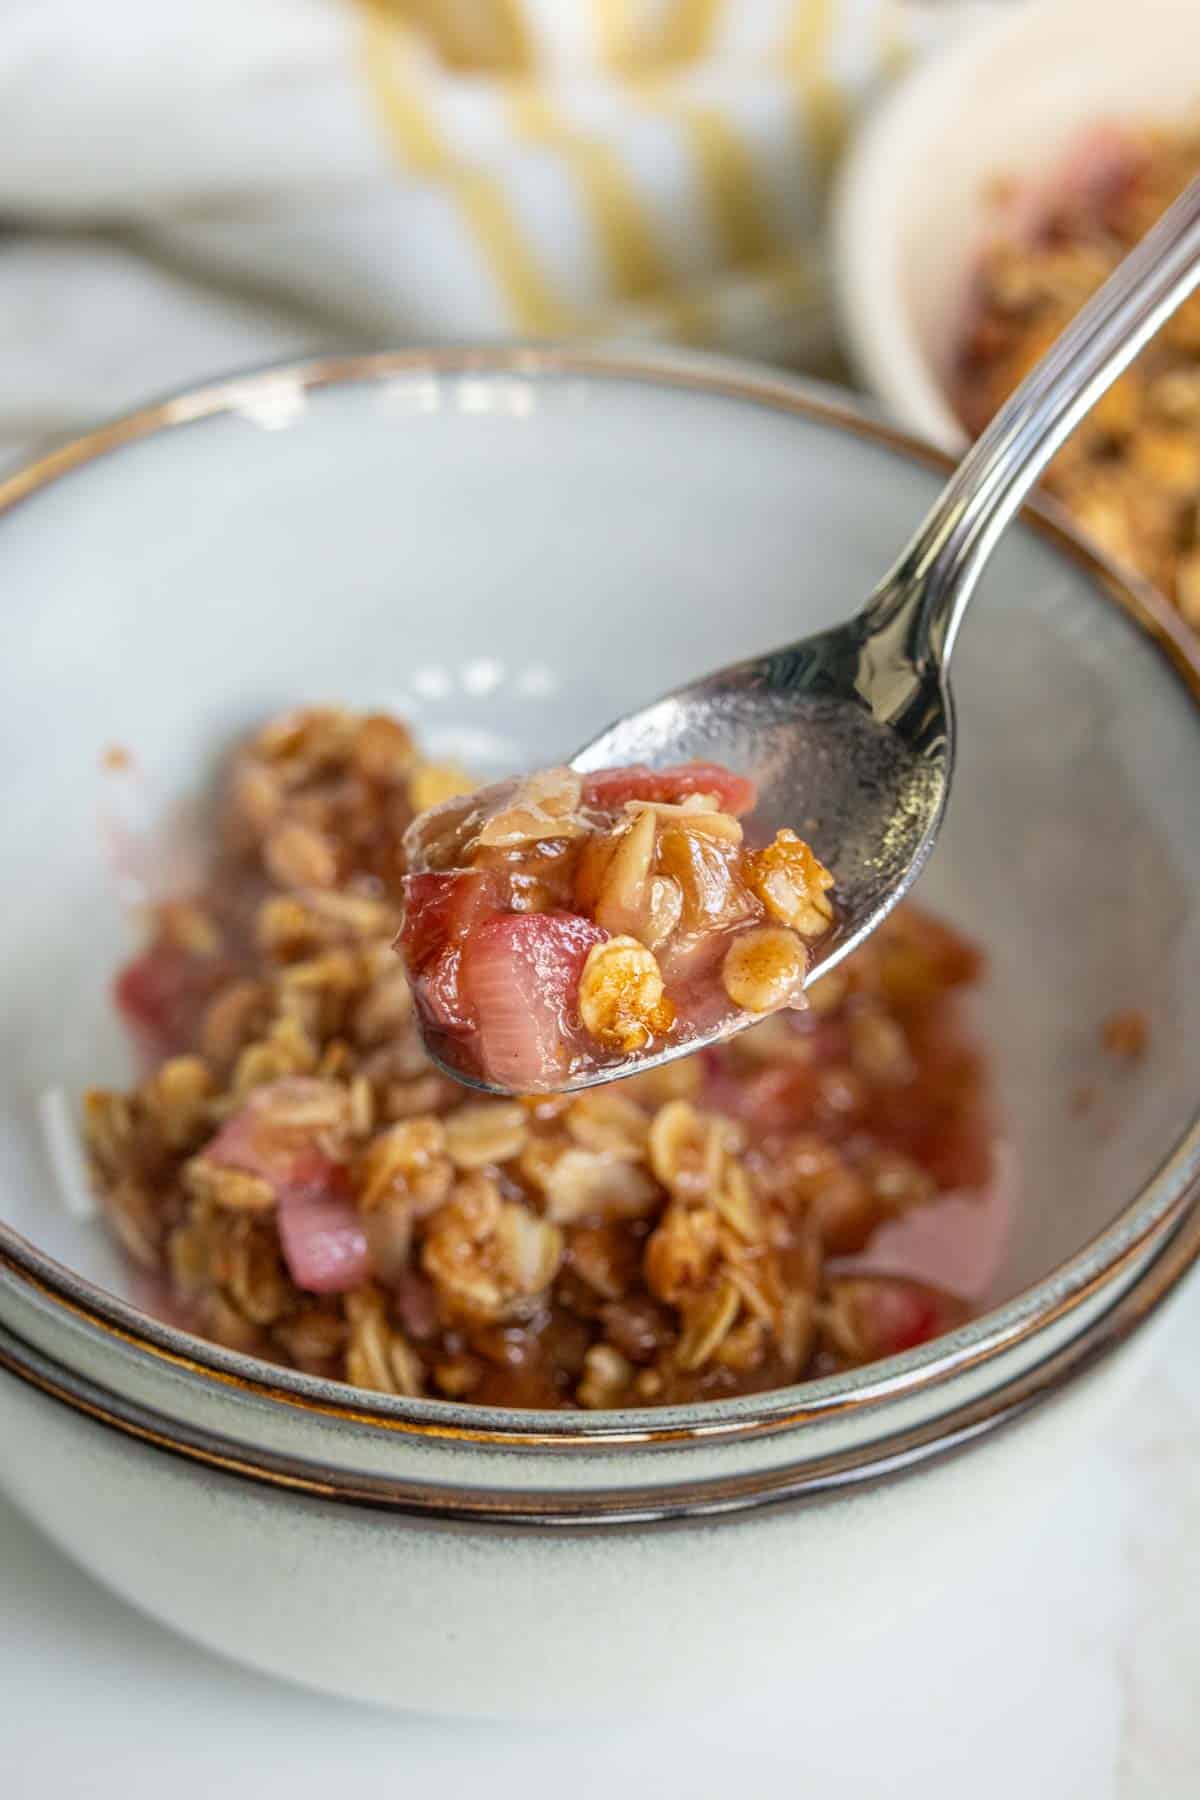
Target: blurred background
(191, 188)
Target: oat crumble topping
(296, 1180)
(1130, 474)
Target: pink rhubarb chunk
(440, 910)
(895, 1314)
(324, 1243)
(161, 996)
(611, 788)
(520, 975)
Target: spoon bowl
(869, 751)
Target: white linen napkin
(193, 187)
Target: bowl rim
(1142, 1227)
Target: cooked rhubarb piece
(610, 788)
(280, 1152)
(520, 977)
(561, 923)
(872, 1316)
(162, 994)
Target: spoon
(850, 733)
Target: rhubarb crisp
(1130, 474)
(559, 923)
(297, 1180)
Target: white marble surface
(1092, 1701)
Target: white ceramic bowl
(1006, 99)
(511, 547)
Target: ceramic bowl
(511, 547)
(1006, 100)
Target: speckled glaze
(511, 546)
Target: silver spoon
(850, 733)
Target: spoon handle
(938, 571)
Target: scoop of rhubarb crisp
(560, 923)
